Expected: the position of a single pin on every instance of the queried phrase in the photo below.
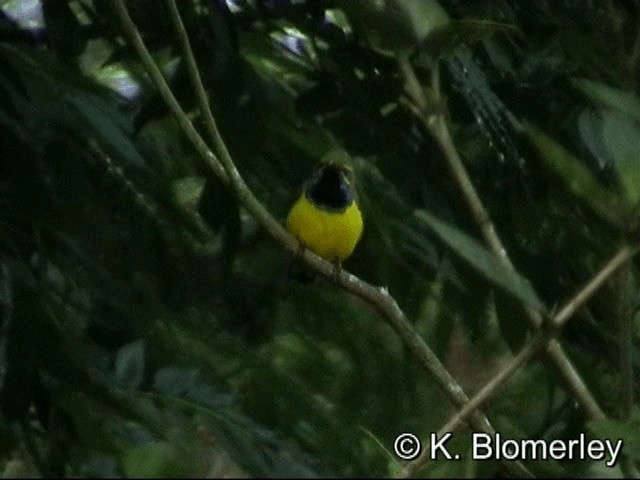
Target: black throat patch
(329, 189)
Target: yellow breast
(331, 235)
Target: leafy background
(148, 325)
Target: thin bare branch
(135, 40)
(436, 124)
(203, 104)
(539, 340)
(223, 166)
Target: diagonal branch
(135, 39)
(196, 83)
(437, 126)
(539, 340)
(223, 166)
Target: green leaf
(621, 136)
(628, 432)
(589, 125)
(485, 262)
(188, 191)
(96, 55)
(606, 96)
(610, 206)
(175, 381)
(110, 126)
(154, 460)
(370, 441)
(612, 133)
(130, 364)
(395, 25)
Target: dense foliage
(149, 326)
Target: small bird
(326, 217)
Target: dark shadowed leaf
(175, 381)
(483, 261)
(628, 432)
(157, 460)
(512, 320)
(621, 136)
(129, 364)
(606, 96)
(578, 179)
(395, 25)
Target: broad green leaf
(420, 18)
(97, 53)
(621, 136)
(628, 432)
(395, 25)
(485, 262)
(188, 191)
(590, 127)
(606, 96)
(110, 126)
(117, 77)
(578, 179)
(18, 468)
(612, 135)
(371, 442)
(159, 459)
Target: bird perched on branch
(326, 217)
